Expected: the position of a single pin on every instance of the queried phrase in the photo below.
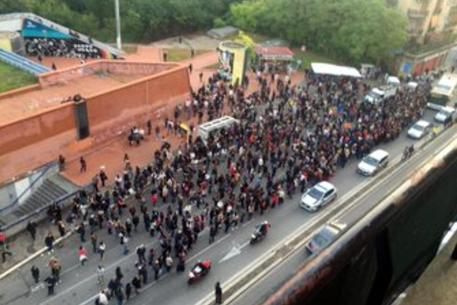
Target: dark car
(326, 236)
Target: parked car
(318, 196)
(373, 163)
(419, 129)
(445, 114)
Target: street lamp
(118, 25)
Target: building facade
(428, 18)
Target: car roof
(324, 185)
(377, 91)
(447, 109)
(379, 154)
(422, 123)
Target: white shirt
(102, 298)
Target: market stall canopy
(274, 53)
(321, 68)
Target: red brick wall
(134, 103)
(37, 128)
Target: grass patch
(13, 78)
(181, 54)
(308, 57)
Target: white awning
(321, 68)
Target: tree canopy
(350, 30)
(142, 20)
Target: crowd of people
(289, 138)
(60, 48)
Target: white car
(372, 163)
(318, 196)
(446, 113)
(420, 129)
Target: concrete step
(52, 189)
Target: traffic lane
(83, 289)
(174, 289)
(293, 223)
(14, 290)
(344, 179)
(271, 282)
(403, 170)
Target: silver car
(318, 196)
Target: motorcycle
(407, 153)
(258, 235)
(198, 271)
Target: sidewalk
(438, 284)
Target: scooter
(198, 271)
(258, 235)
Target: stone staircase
(52, 189)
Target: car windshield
(418, 127)
(315, 193)
(370, 160)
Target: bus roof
(445, 85)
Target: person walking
(31, 228)
(51, 283)
(101, 249)
(119, 294)
(83, 165)
(101, 275)
(123, 241)
(128, 291)
(102, 298)
(35, 274)
(168, 263)
(61, 228)
(82, 232)
(49, 242)
(218, 293)
(93, 240)
(82, 253)
(136, 283)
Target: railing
(29, 188)
(22, 63)
(42, 209)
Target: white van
(214, 126)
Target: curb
(33, 256)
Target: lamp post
(118, 25)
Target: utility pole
(118, 25)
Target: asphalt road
(262, 289)
(230, 253)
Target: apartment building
(428, 17)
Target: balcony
(417, 14)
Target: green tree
(350, 30)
